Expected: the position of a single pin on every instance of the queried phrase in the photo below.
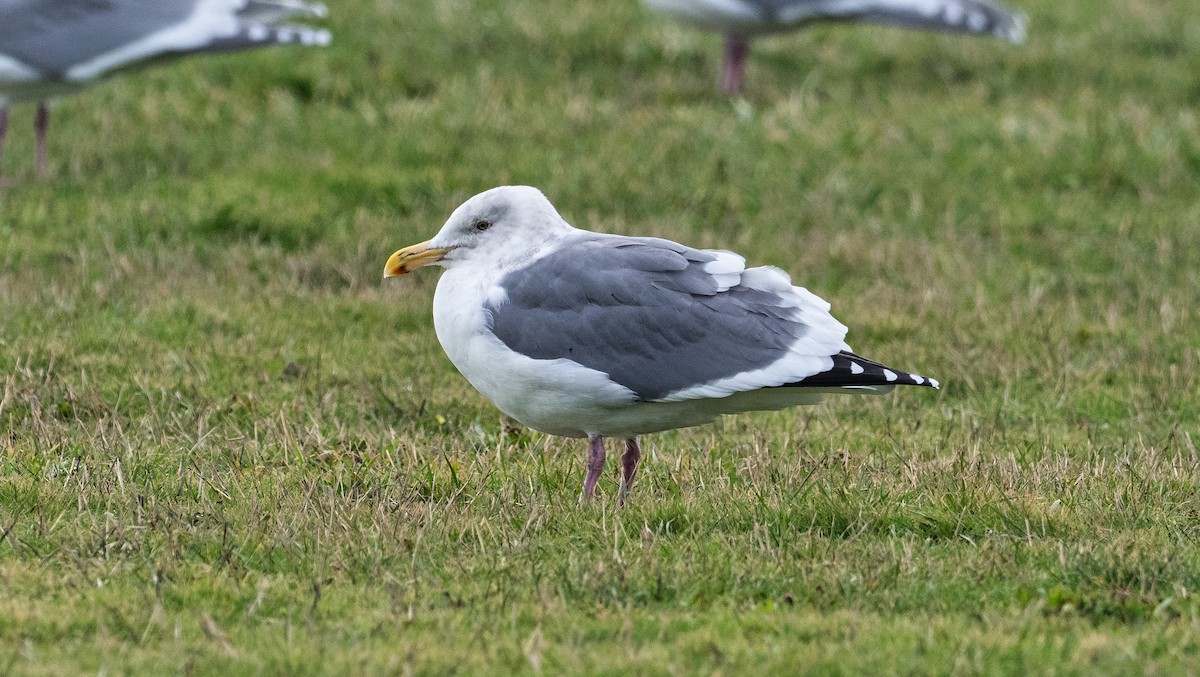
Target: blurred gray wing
(959, 16)
(80, 39)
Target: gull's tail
(974, 17)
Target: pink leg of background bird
(736, 49)
(629, 464)
(41, 123)
(595, 466)
(3, 129)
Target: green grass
(227, 448)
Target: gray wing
(959, 16)
(658, 317)
(54, 36)
(51, 36)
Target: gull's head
(500, 226)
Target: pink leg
(41, 123)
(736, 49)
(629, 464)
(595, 467)
(3, 128)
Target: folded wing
(673, 323)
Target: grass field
(227, 448)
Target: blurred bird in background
(53, 47)
(742, 20)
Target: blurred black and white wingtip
(274, 11)
(261, 22)
(282, 35)
(853, 371)
(984, 18)
(972, 17)
(1013, 30)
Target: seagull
(741, 20)
(589, 335)
(49, 48)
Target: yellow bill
(410, 258)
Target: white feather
(726, 269)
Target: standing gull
(583, 334)
(54, 47)
(742, 20)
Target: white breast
(560, 397)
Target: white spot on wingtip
(856, 368)
(257, 33)
(917, 379)
(889, 374)
(1015, 32)
(934, 382)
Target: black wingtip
(974, 17)
(850, 370)
(253, 35)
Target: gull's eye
(481, 225)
